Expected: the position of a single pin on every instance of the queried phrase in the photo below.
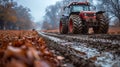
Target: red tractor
(78, 18)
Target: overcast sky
(37, 7)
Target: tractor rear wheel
(63, 28)
(103, 26)
(75, 24)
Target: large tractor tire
(85, 28)
(63, 27)
(103, 25)
(75, 24)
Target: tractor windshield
(78, 8)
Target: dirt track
(86, 50)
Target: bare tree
(112, 7)
(13, 16)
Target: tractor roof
(78, 3)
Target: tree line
(13, 16)
(54, 12)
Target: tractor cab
(76, 8)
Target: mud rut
(100, 50)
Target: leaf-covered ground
(25, 49)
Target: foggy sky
(37, 7)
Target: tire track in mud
(100, 42)
(80, 52)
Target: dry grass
(112, 30)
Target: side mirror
(64, 7)
(100, 12)
(63, 15)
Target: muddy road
(100, 50)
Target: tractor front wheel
(75, 24)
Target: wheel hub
(70, 26)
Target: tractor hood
(87, 14)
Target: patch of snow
(104, 59)
(90, 52)
(55, 39)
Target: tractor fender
(100, 12)
(100, 15)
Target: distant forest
(54, 12)
(14, 17)
(17, 17)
